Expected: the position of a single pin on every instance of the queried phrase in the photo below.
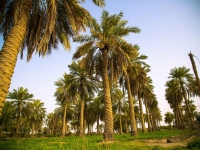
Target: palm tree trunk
(131, 108)
(33, 128)
(18, 121)
(84, 125)
(98, 123)
(81, 118)
(195, 71)
(141, 114)
(120, 123)
(151, 121)
(10, 49)
(108, 130)
(187, 105)
(181, 117)
(148, 117)
(64, 120)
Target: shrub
(195, 144)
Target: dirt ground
(166, 142)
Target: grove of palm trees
(104, 96)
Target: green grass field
(92, 142)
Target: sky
(170, 29)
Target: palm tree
(37, 114)
(98, 106)
(38, 26)
(195, 71)
(138, 81)
(174, 96)
(83, 84)
(63, 97)
(117, 104)
(19, 98)
(7, 117)
(183, 76)
(106, 39)
(169, 117)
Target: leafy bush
(194, 145)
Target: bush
(195, 144)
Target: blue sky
(169, 31)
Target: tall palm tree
(63, 97)
(83, 84)
(174, 96)
(195, 71)
(105, 40)
(19, 98)
(183, 76)
(37, 25)
(138, 81)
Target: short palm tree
(106, 39)
(183, 76)
(7, 117)
(19, 98)
(37, 114)
(37, 25)
(118, 105)
(169, 117)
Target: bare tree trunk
(8, 54)
(131, 108)
(108, 130)
(141, 114)
(81, 132)
(148, 117)
(195, 71)
(64, 119)
(33, 128)
(187, 105)
(98, 124)
(120, 123)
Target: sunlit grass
(90, 142)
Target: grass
(90, 142)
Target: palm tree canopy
(20, 94)
(50, 22)
(108, 34)
(81, 82)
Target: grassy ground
(92, 142)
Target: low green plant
(194, 145)
(90, 142)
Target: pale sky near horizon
(169, 31)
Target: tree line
(104, 62)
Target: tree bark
(81, 118)
(195, 71)
(141, 114)
(108, 130)
(98, 123)
(8, 54)
(131, 108)
(64, 120)
(33, 128)
(148, 117)
(187, 105)
(120, 123)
